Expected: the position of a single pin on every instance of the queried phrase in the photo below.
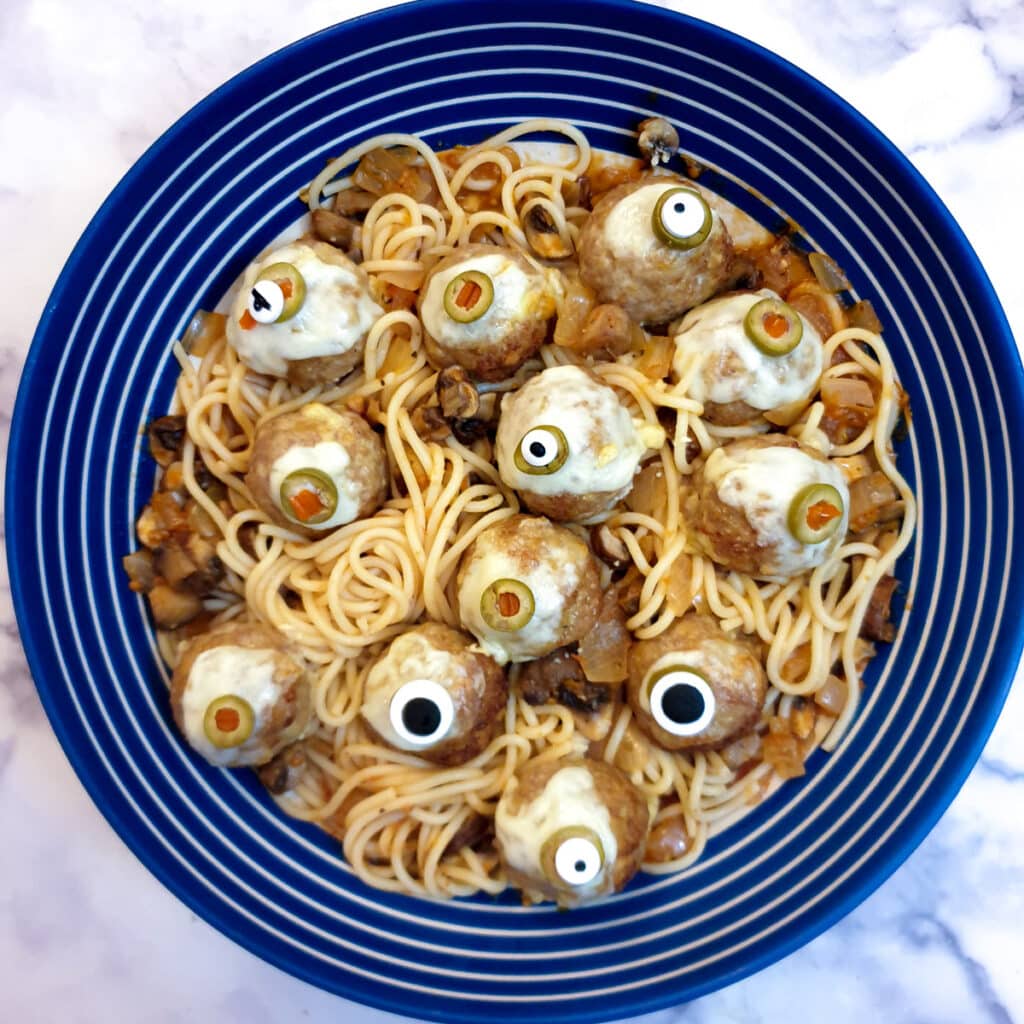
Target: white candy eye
(422, 712)
(266, 302)
(578, 861)
(681, 218)
(682, 702)
(542, 450)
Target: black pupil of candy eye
(259, 302)
(683, 703)
(421, 716)
(580, 866)
(679, 207)
(538, 449)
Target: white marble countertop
(86, 933)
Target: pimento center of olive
(227, 719)
(508, 604)
(821, 513)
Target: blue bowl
(217, 188)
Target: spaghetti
(413, 827)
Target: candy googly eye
(681, 218)
(542, 451)
(682, 702)
(277, 294)
(422, 712)
(573, 856)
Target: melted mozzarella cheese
(410, 657)
(731, 368)
(605, 443)
(332, 459)
(337, 313)
(570, 798)
(627, 229)
(518, 296)
(551, 582)
(240, 672)
(762, 482)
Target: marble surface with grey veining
(86, 933)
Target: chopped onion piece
(828, 273)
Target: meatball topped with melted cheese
(317, 468)
(240, 695)
(527, 586)
(569, 446)
(656, 248)
(431, 694)
(485, 308)
(694, 686)
(743, 369)
(768, 506)
(571, 830)
(303, 312)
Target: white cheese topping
(605, 443)
(337, 313)
(517, 297)
(410, 657)
(762, 482)
(550, 582)
(627, 228)
(236, 671)
(570, 798)
(331, 458)
(731, 368)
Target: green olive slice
(468, 296)
(681, 218)
(815, 513)
(309, 496)
(773, 326)
(573, 856)
(228, 721)
(542, 451)
(277, 294)
(507, 605)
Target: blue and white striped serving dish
(207, 197)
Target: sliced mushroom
(658, 140)
(282, 772)
(543, 235)
(428, 421)
(456, 394)
(166, 436)
(336, 229)
(609, 548)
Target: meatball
(240, 694)
(526, 587)
(485, 308)
(571, 830)
(431, 694)
(317, 468)
(694, 686)
(655, 257)
(742, 370)
(568, 446)
(303, 312)
(768, 506)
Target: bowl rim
(1000, 673)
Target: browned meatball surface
(627, 263)
(692, 717)
(247, 662)
(336, 444)
(589, 803)
(431, 694)
(493, 345)
(527, 587)
(738, 507)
